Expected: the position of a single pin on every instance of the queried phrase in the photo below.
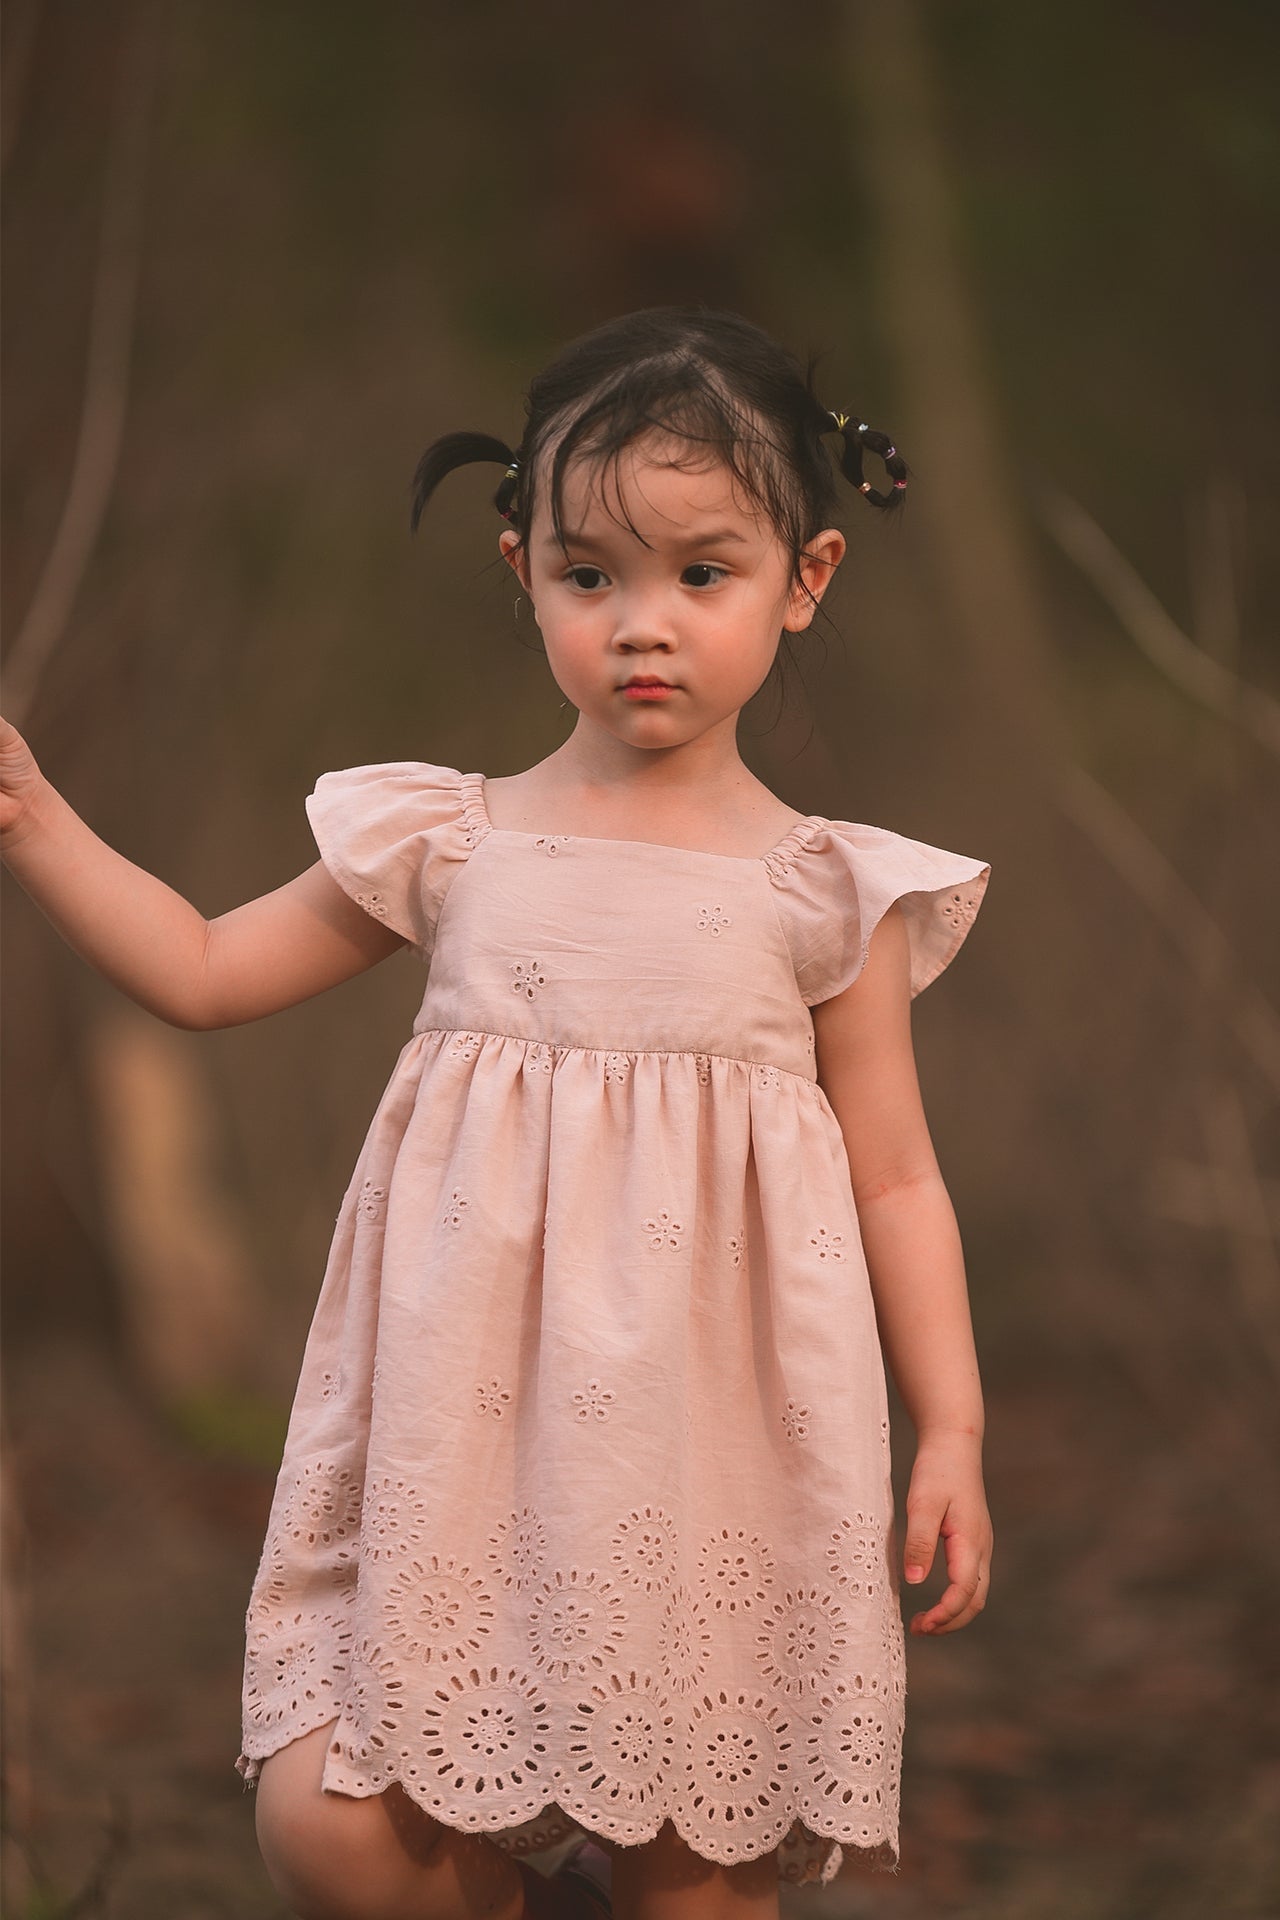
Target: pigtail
(462, 450)
(854, 436)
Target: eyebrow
(708, 537)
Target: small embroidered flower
(329, 1386)
(551, 843)
(795, 1421)
(959, 909)
(809, 1041)
(466, 1046)
(528, 978)
(372, 903)
(593, 1400)
(830, 1246)
(767, 1078)
(454, 1211)
(616, 1066)
(491, 1397)
(539, 1059)
(663, 1232)
(713, 920)
(737, 1246)
(703, 1063)
(372, 1199)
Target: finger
(962, 1601)
(923, 1523)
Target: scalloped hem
(807, 1853)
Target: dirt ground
(1101, 1745)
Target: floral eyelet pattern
(539, 1058)
(621, 1742)
(438, 1611)
(456, 1211)
(373, 903)
(576, 1623)
(713, 920)
(551, 843)
(517, 1549)
(795, 1421)
(593, 1401)
(466, 1046)
(644, 1549)
(617, 1067)
(393, 1522)
(663, 1232)
(736, 1246)
(372, 1201)
(959, 909)
(528, 978)
(702, 1063)
(828, 1245)
(323, 1508)
(802, 1639)
(492, 1397)
(736, 1570)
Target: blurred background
(256, 257)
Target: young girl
(584, 1525)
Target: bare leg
(332, 1857)
(666, 1880)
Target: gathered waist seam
(558, 1047)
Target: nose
(643, 622)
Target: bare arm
(154, 945)
(866, 1066)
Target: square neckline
(474, 802)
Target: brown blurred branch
(106, 389)
(1166, 895)
(1148, 625)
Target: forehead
(653, 483)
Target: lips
(645, 680)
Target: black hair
(710, 379)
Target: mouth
(646, 689)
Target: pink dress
(584, 1519)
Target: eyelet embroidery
(795, 1421)
(323, 1508)
(372, 903)
(517, 1548)
(684, 1641)
(856, 1556)
(529, 978)
(295, 1669)
(593, 1399)
(736, 1570)
(703, 1063)
(372, 1200)
(491, 1397)
(487, 1731)
(466, 1046)
(457, 1207)
(959, 909)
(616, 1067)
(551, 843)
(644, 1549)
(851, 1736)
(802, 1639)
(539, 1058)
(713, 920)
(830, 1246)
(576, 1624)
(621, 1740)
(766, 1078)
(740, 1748)
(438, 1611)
(393, 1520)
(376, 1698)
(664, 1232)
(737, 1247)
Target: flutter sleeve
(838, 887)
(393, 837)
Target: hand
(20, 781)
(946, 1501)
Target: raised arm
(866, 1066)
(154, 945)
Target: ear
(512, 549)
(818, 562)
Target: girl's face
(659, 638)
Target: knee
(331, 1857)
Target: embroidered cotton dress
(584, 1519)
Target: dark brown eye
(702, 574)
(586, 578)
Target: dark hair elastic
(855, 438)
